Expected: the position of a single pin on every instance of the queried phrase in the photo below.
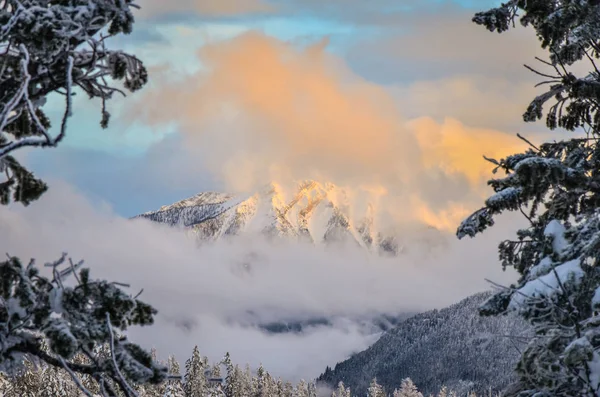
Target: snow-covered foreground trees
(56, 321)
(55, 47)
(199, 380)
(557, 188)
(67, 320)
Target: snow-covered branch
(36, 311)
(72, 56)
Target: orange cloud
(456, 148)
(263, 110)
(300, 109)
(474, 100)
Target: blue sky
(137, 166)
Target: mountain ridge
(314, 212)
(453, 346)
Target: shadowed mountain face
(314, 212)
(454, 347)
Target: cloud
(452, 68)
(425, 46)
(482, 101)
(205, 8)
(210, 290)
(131, 184)
(262, 110)
(453, 147)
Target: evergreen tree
(59, 47)
(375, 389)
(301, 389)
(230, 377)
(234, 380)
(247, 381)
(288, 390)
(215, 371)
(53, 322)
(341, 391)
(407, 389)
(260, 382)
(172, 390)
(312, 389)
(556, 186)
(194, 379)
(173, 387)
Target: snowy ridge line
(313, 212)
(191, 215)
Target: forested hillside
(454, 347)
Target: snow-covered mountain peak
(310, 211)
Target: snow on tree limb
(36, 311)
(559, 185)
(72, 55)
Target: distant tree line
(198, 378)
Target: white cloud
(207, 288)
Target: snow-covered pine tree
(312, 389)
(288, 389)
(230, 377)
(247, 381)
(375, 389)
(556, 186)
(301, 389)
(79, 318)
(237, 382)
(173, 387)
(341, 391)
(270, 386)
(259, 382)
(215, 370)
(407, 389)
(55, 47)
(216, 389)
(194, 379)
(46, 47)
(172, 390)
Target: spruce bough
(556, 186)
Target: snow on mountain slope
(454, 346)
(313, 212)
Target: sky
(398, 61)
(396, 98)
